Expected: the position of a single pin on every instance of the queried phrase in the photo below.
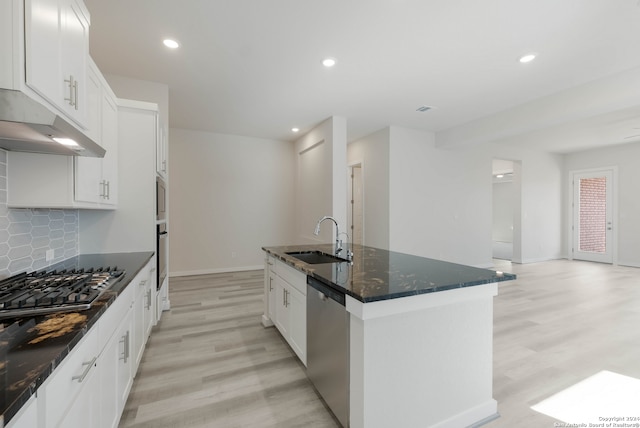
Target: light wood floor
(210, 363)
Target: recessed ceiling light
(171, 43)
(528, 57)
(329, 62)
(295, 129)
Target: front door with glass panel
(593, 216)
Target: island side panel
(266, 318)
(424, 367)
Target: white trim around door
(593, 215)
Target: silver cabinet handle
(108, 183)
(75, 94)
(148, 304)
(71, 98)
(84, 374)
(270, 284)
(103, 187)
(143, 282)
(125, 347)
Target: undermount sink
(315, 257)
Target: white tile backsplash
(26, 234)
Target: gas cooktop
(45, 292)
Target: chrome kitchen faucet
(338, 240)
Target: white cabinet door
(271, 296)
(69, 381)
(27, 416)
(56, 48)
(88, 171)
(282, 313)
(269, 313)
(85, 410)
(161, 151)
(109, 112)
(116, 376)
(298, 324)
(142, 318)
(42, 46)
(96, 179)
(149, 310)
(74, 47)
(287, 304)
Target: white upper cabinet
(48, 181)
(96, 179)
(161, 151)
(56, 54)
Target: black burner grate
(54, 291)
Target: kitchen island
(33, 347)
(420, 335)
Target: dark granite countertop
(30, 352)
(377, 274)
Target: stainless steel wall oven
(161, 199)
(162, 252)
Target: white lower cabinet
(298, 326)
(282, 310)
(75, 379)
(271, 295)
(115, 374)
(27, 417)
(287, 305)
(85, 409)
(91, 385)
(142, 318)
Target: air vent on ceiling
(424, 108)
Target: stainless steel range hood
(28, 126)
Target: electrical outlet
(49, 255)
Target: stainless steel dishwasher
(328, 347)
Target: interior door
(355, 207)
(593, 216)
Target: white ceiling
(253, 67)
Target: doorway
(503, 209)
(592, 215)
(356, 204)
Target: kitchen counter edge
(280, 252)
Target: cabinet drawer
(293, 276)
(67, 381)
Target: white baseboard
(218, 270)
(628, 263)
(538, 260)
(473, 417)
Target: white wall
(372, 152)
(142, 90)
(626, 158)
(321, 180)
(229, 195)
(541, 217)
(503, 211)
(440, 200)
